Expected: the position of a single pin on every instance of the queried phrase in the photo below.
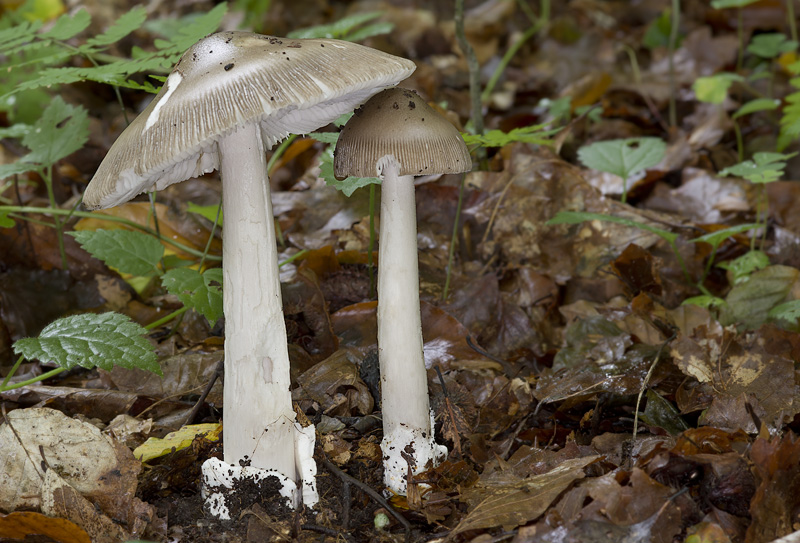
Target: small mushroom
(230, 97)
(396, 135)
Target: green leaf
(339, 29)
(202, 292)
(135, 253)
(90, 340)
(662, 414)
(15, 168)
(347, 186)
(715, 239)
(68, 26)
(724, 4)
(576, 217)
(377, 29)
(771, 45)
(62, 130)
(753, 106)
(5, 220)
(714, 89)
(623, 157)
(212, 212)
(764, 168)
(787, 311)
(534, 134)
(199, 27)
(127, 23)
(657, 33)
(742, 267)
(749, 304)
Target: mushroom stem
(258, 416)
(404, 382)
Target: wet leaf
(659, 412)
(174, 441)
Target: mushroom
(230, 97)
(396, 135)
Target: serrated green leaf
(61, 130)
(199, 27)
(577, 217)
(623, 157)
(135, 253)
(123, 26)
(202, 292)
(787, 311)
(764, 168)
(68, 26)
(753, 106)
(89, 341)
(16, 131)
(534, 134)
(348, 185)
(17, 34)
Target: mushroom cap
(398, 122)
(225, 81)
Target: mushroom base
(225, 486)
(415, 444)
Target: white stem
(404, 382)
(258, 417)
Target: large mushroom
(395, 136)
(231, 97)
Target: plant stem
(673, 42)
(104, 217)
(165, 319)
(474, 74)
(11, 372)
(453, 238)
(37, 379)
(47, 176)
(790, 17)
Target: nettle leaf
(534, 134)
(135, 253)
(749, 304)
(90, 340)
(348, 185)
(123, 26)
(60, 131)
(623, 157)
(200, 291)
(68, 26)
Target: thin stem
(47, 176)
(536, 25)
(371, 244)
(37, 379)
(110, 218)
(211, 236)
(740, 34)
(474, 74)
(165, 319)
(792, 20)
(739, 141)
(673, 42)
(453, 238)
(279, 152)
(11, 373)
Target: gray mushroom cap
(398, 122)
(225, 81)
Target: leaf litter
(537, 358)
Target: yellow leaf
(175, 441)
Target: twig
(202, 399)
(327, 531)
(369, 491)
(474, 75)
